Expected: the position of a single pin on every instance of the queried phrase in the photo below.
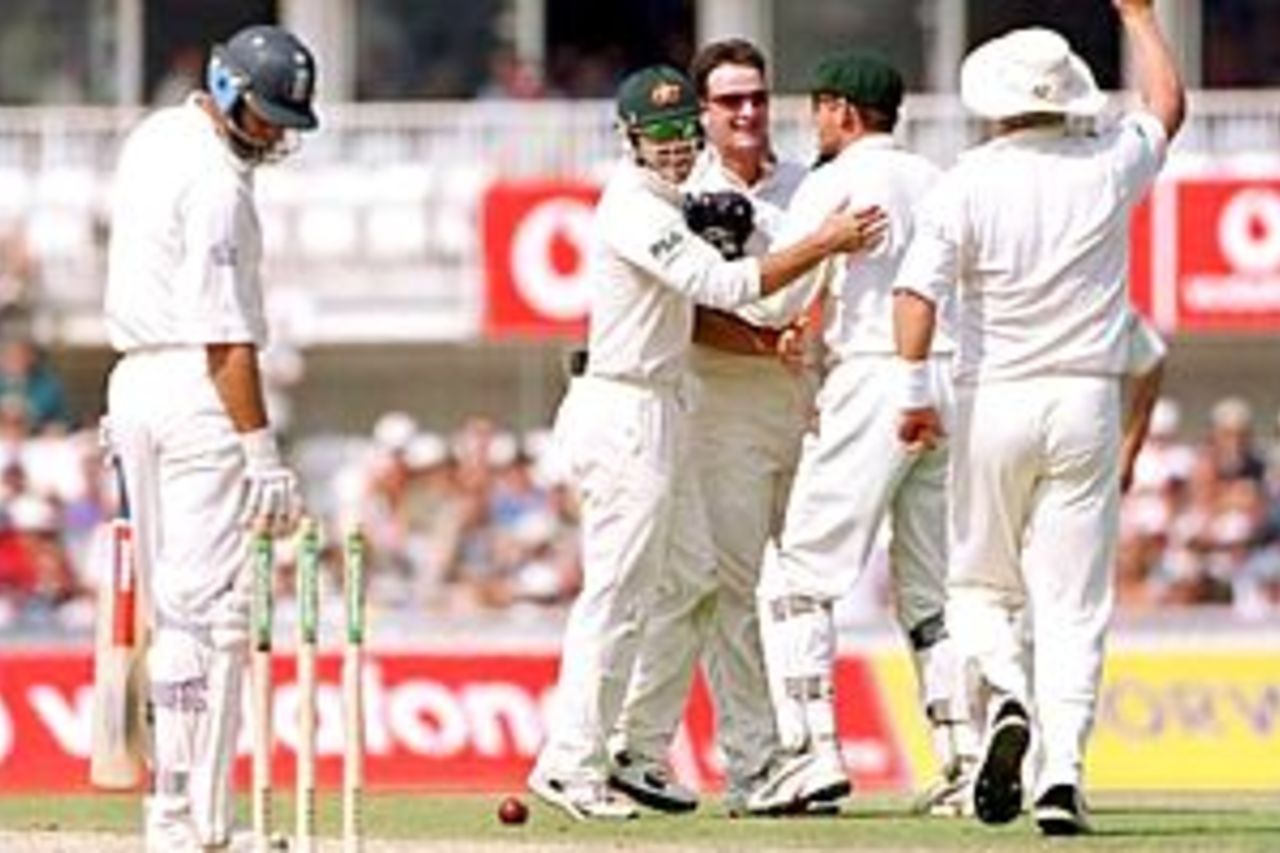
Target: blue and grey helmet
(269, 69)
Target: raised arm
(1159, 82)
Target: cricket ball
(512, 811)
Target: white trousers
(1033, 524)
(183, 468)
(853, 471)
(625, 445)
(746, 436)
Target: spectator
(24, 374)
(1231, 441)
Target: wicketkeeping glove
(723, 218)
(270, 500)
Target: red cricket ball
(512, 811)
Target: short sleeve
(219, 297)
(1138, 151)
(1146, 348)
(933, 259)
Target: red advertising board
(1228, 258)
(536, 237)
(434, 721)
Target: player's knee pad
(216, 737)
(177, 665)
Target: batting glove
(270, 500)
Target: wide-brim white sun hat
(1028, 71)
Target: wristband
(260, 448)
(915, 384)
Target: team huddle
(782, 360)
(963, 384)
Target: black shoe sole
(997, 792)
(1055, 821)
(646, 797)
(1057, 826)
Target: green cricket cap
(658, 93)
(861, 78)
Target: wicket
(308, 599)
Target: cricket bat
(118, 743)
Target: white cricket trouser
(1034, 523)
(852, 472)
(183, 467)
(625, 444)
(746, 431)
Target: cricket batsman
(184, 310)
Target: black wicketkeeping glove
(724, 218)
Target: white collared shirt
(769, 199)
(183, 265)
(857, 289)
(1032, 229)
(648, 270)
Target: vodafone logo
(549, 258)
(537, 238)
(1249, 231)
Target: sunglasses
(672, 129)
(734, 101)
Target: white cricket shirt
(1033, 229)
(857, 289)
(647, 271)
(183, 264)
(769, 197)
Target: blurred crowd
(480, 520)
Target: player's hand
(1125, 7)
(793, 345)
(854, 231)
(920, 429)
(270, 500)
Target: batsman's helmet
(269, 69)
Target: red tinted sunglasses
(735, 101)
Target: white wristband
(915, 384)
(260, 448)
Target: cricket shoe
(997, 789)
(735, 806)
(1061, 811)
(581, 800)
(649, 783)
(798, 780)
(950, 795)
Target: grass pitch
(405, 821)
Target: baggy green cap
(655, 94)
(861, 78)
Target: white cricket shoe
(649, 783)
(581, 800)
(797, 781)
(949, 795)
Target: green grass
(1220, 822)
